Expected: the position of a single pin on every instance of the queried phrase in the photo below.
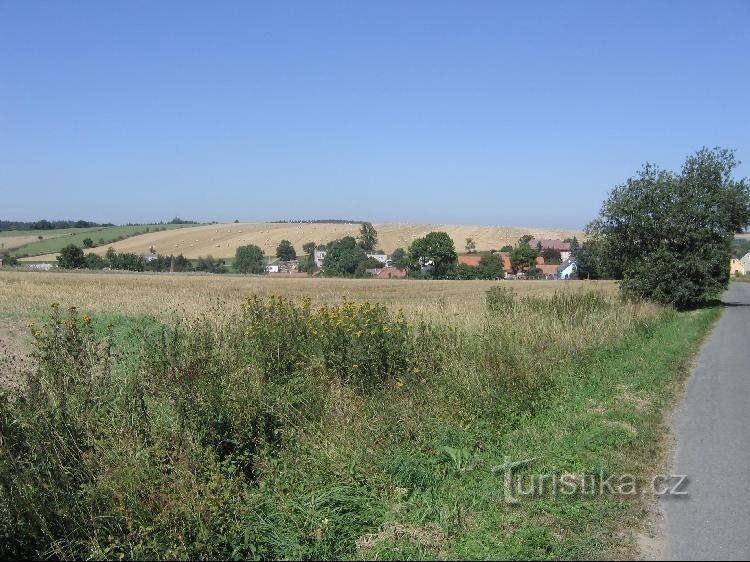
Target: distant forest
(44, 224)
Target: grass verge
(287, 431)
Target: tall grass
(281, 430)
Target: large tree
(346, 259)
(669, 234)
(249, 259)
(368, 237)
(522, 257)
(436, 247)
(71, 257)
(285, 251)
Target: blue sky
(459, 112)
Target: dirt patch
(426, 537)
(15, 346)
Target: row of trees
(72, 257)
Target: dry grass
(11, 242)
(221, 240)
(161, 293)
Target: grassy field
(27, 243)
(179, 416)
(221, 240)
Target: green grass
(56, 240)
(284, 432)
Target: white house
(736, 267)
(320, 255)
(272, 268)
(568, 270)
(382, 258)
(42, 266)
(745, 261)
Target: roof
(391, 272)
(550, 244)
(547, 269)
(506, 261)
(291, 274)
(471, 260)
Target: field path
(712, 429)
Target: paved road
(712, 428)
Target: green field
(54, 240)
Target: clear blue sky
(461, 112)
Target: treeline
(72, 257)
(44, 224)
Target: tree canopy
(285, 251)
(346, 259)
(668, 235)
(249, 259)
(436, 247)
(368, 237)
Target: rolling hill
(221, 240)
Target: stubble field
(222, 240)
(159, 294)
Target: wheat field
(222, 240)
(161, 294)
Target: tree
(249, 259)
(436, 247)
(368, 237)
(522, 257)
(344, 259)
(551, 256)
(94, 261)
(490, 267)
(399, 258)
(210, 265)
(285, 251)
(590, 261)
(88, 243)
(470, 246)
(8, 260)
(574, 247)
(669, 234)
(71, 257)
(525, 239)
(309, 249)
(506, 248)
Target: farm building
(552, 244)
(567, 270)
(736, 267)
(472, 260)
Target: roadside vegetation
(283, 429)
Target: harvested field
(222, 240)
(162, 293)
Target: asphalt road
(712, 429)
